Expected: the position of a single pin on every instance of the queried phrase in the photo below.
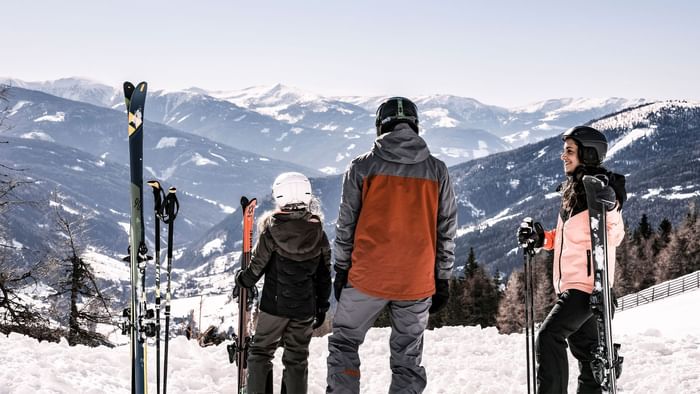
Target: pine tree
(471, 265)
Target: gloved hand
(530, 235)
(442, 294)
(341, 279)
(240, 283)
(607, 197)
(319, 319)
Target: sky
(507, 53)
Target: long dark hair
(573, 194)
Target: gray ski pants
(295, 336)
(355, 314)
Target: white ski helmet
(292, 190)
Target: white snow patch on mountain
(16, 244)
(200, 160)
(167, 142)
(628, 139)
(541, 153)
(38, 135)
(57, 117)
(106, 267)
(439, 117)
(238, 119)
(549, 196)
(183, 118)
(350, 147)
(17, 107)
(330, 127)
(64, 207)
(215, 245)
(513, 139)
(281, 137)
(329, 170)
(218, 156)
(126, 226)
(77, 168)
(455, 152)
(482, 225)
(263, 159)
(514, 183)
(296, 130)
(286, 149)
(339, 157)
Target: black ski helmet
(592, 145)
(396, 110)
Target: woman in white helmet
(293, 253)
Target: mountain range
(69, 137)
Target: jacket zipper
(588, 262)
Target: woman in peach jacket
(571, 319)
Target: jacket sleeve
(259, 259)
(323, 278)
(350, 205)
(446, 228)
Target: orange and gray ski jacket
(397, 219)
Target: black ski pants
(295, 335)
(572, 321)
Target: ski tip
(245, 202)
(142, 86)
(154, 184)
(172, 189)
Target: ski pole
(158, 215)
(528, 253)
(171, 208)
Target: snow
(329, 170)
(660, 343)
(215, 245)
(57, 117)
(38, 135)
(106, 267)
(200, 160)
(628, 139)
(167, 142)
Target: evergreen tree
(471, 265)
(645, 229)
(511, 309)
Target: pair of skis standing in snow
(589, 228)
(141, 322)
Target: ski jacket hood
(297, 234)
(402, 145)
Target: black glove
(319, 319)
(442, 294)
(341, 279)
(530, 235)
(607, 197)
(240, 282)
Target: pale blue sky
(505, 53)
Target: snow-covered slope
(660, 343)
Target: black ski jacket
(293, 253)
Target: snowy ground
(661, 346)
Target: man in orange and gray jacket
(394, 247)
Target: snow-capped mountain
(325, 133)
(495, 193)
(655, 146)
(83, 148)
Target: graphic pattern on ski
(607, 364)
(238, 351)
(135, 98)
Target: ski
(135, 98)
(238, 351)
(606, 364)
